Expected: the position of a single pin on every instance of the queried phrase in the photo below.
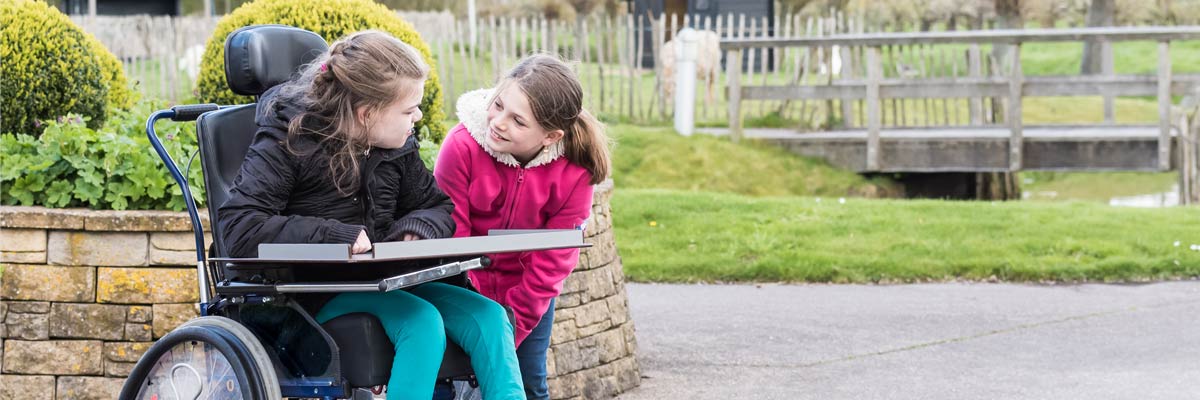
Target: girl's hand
(362, 245)
(410, 236)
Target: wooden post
(975, 70)
(1164, 106)
(733, 72)
(874, 75)
(1106, 68)
(1013, 117)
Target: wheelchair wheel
(267, 371)
(197, 362)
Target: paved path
(929, 341)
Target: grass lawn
(660, 158)
(677, 236)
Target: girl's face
(512, 128)
(389, 127)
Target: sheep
(708, 61)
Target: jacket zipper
(512, 206)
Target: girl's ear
(363, 114)
(553, 137)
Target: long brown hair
(365, 69)
(557, 100)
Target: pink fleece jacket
(491, 190)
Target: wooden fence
(614, 56)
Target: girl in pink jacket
(525, 156)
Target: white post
(685, 81)
(471, 21)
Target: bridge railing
(1005, 83)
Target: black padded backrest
(256, 58)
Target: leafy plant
(111, 167)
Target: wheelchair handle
(189, 112)
(184, 113)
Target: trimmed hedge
(52, 68)
(332, 19)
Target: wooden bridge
(989, 142)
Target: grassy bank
(675, 236)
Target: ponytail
(586, 144)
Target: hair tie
(324, 67)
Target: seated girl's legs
(415, 329)
(481, 327)
(532, 356)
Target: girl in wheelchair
(335, 160)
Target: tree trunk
(1100, 13)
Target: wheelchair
(254, 339)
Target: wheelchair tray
(496, 242)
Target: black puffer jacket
(280, 197)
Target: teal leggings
(420, 320)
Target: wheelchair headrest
(258, 57)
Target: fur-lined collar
(472, 112)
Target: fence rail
(1007, 84)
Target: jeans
(531, 354)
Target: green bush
(52, 68)
(113, 167)
(331, 19)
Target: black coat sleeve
(253, 213)
(423, 208)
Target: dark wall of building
(122, 7)
(697, 10)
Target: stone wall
(84, 293)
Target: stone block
(140, 314)
(630, 338)
(577, 355)
(14, 387)
(29, 307)
(142, 221)
(13, 239)
(562, 332)
(124, 351)
(88, 388)
(22, 257)
(87, 321)
(618, 308)
(568, 301)
(27, 326)
(118, 369)
(139, 332)
(167, 317)
(599, 283)
(612, 345)
(41, 217)
(3, 309)
(550, 368)
(146, 285)
(629, 375)
(592, 313)
(116, 249)
(48, 282)
(55, 357)
(180, 241)
(600, 387)
(603, 250)
(566, 386)
(172, 257)
(585, 331)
